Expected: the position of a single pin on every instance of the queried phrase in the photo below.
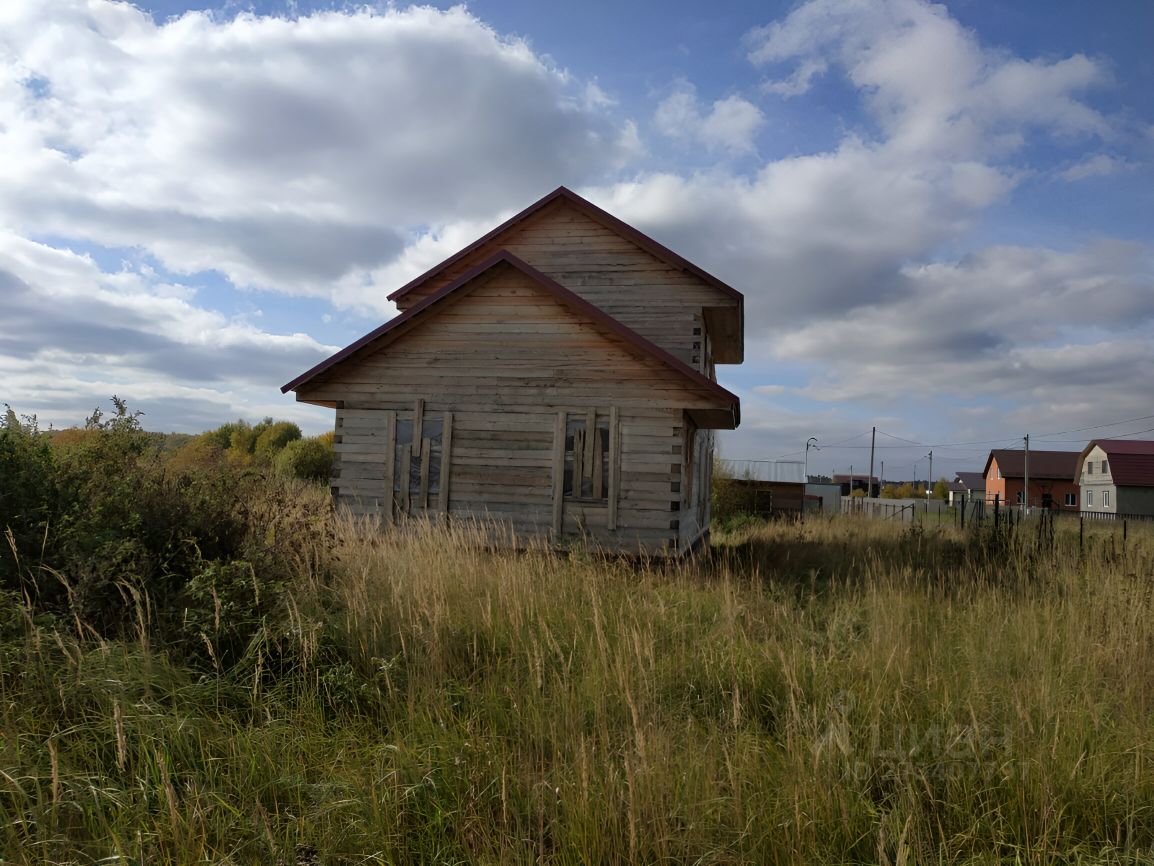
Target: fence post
(1081, 532)
(997, 503)
(962, 514)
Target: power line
(1119, 436)
(1099, 426)
(1006, 442)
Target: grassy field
(833, 692)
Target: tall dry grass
(839, 692)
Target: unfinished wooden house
(556, 375)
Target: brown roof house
(555, 377)
(1052, 480)
(1117, 477)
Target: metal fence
(899, 510)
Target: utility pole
(870, 480)
(930, 478)
(882, 477)
(851, 479)
(1026, 479)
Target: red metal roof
(1131, 460)
(573, 301)
(1043, 464)
(602, 216)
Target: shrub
(275, 437)
(204, 452)
(110, 524)
(306, 459)
(27, 494)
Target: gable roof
(597, 214)
(1058, 465)
(1131, 461)
(971, 480)
(397, 325)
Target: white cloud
(730, 125)
(294, 154)
(929, 81)
(1006, 323)
(72, 335)
(1099, 165)
(799, 81)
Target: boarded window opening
(587, 457)
(417, 466)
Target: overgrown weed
(827, 691)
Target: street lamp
(808, 445)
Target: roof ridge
(596, 213)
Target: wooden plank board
(558, 472)
(614, 466)
(426, 452)
(587, 451)
(446, 462)
(598, 465)
(418, 424)
(390, 449)
(404, 498)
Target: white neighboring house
(1117, 477)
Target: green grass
(845, 691)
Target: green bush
(275, 437)
(306, 459)
(110, 525)
(27, 493)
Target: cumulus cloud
(928, 81)
(286, 153)
(816, 240)
(729, 125)
(72, 334)
(1006, 323)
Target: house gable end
(661, 295)
(509, 330)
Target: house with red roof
(1053, 483)
(554, 379)
(1117, 477)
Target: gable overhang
(989, 462)
(724, 320)
(1082, 455)
(724, 414)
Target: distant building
(1052, 478)
(1117, 477)
(769, 487)
(850, 483)
(968, 484)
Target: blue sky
(939, 213)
